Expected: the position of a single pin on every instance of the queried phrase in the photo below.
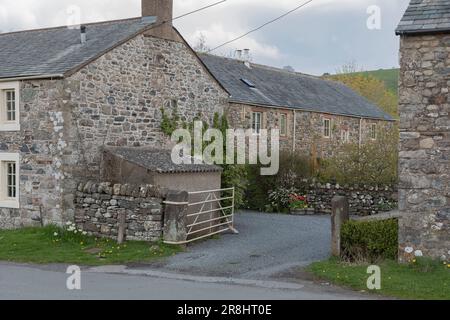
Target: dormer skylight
(248, 83)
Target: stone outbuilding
(424, 190)
(154, 166)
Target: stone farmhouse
(68, 94)
(311, 113)
(425, 128)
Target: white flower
(84, 233)
(418, 253)
(55, 234)
(75, 231)
(68, 223)
(409, 249)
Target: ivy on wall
(170, 123)
(232, 175)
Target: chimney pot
(246, 56)
(83, 34)
(238, 54)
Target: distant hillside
(378, 86)
(388, 76)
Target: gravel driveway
(267, 244)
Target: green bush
(294, 171)
(369, 240)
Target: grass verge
(55, 245)
(422, 279)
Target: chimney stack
(163, 11)
(83, 34)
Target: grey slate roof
(425, 16)
(56, 51)
(280, 88)
(158, 160)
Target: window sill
(9, 204)
(9, 127)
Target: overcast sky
(319, 38)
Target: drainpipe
(360, 132)
(295, 130)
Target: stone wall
(98, 206)
(308, 135)
(363, 200)
(425, 144)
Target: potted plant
(299, 205)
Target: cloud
(318, 38)
(217, 35)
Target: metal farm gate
(210, 212)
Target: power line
(159, 24)
(200, 9)
(262, 26)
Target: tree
(201, 45)
(367, 86)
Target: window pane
(283, 125)
(10, 105)
(327, 129)
(256, 122)
(11, 179)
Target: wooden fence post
(122, 217)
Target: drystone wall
(99, 207)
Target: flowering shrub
(298, 202)
(373, 163)
(280, 199)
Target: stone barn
(154, 166)
(424, 191)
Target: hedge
(370, 240)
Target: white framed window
(345, 136)
(9, 180)
(257, 122)
(326, 128)
(283, 124)
(373, 131)
(9, 106)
